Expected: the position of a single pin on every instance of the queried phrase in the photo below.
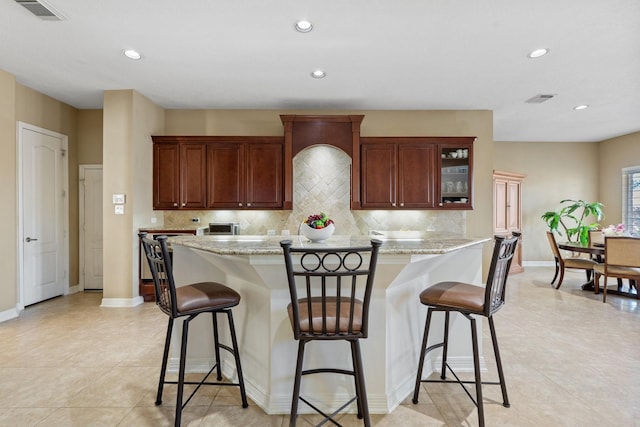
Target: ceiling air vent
(539, 99)
(40, 9)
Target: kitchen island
(254, 267)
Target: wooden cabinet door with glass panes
(456, 172)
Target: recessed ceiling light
(581, 107)
(318, 74)
(303, 26)
(538, 53)
(132, 54)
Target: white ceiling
(378, 54)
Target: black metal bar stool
(189, 301)
(470, 300)
(330, 295)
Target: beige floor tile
(569, 360)
(94, 417)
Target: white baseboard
(538, 264)
(121, 302)
(12, 313)
(73, 289)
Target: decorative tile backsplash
(321, 183)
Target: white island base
(267, 348)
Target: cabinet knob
(248, 204)
(440, 204)
(393, 204)
(401, 204)
(240, 204)
(175, 204)
(184, 204)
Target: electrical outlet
(195, 220)
(154, 220)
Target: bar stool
(469, 300)
(330, 292)
(189, 301)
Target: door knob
(29, 239)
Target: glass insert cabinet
(455, 172)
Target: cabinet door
(166, 176)
(416, 176)
(513, 206)
(264, 175)
(456, 173)
(193, 169)
(500, 211)
(225, 175)
(378, 175)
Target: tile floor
(570, 360)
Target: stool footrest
(333, 414)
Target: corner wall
(8, 209)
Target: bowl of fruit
(317, 227)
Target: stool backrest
(337, 282)
(159, 257)
(503, 251)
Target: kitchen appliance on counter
(228, 228)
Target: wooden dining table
(597, 250)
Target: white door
(43, 213)
(91, 226)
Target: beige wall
(613, 155)
(129, 120)
(90, 137)
(8, 209)
(555, 171)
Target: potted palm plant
(571, 217)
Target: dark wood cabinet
(397, 173)
(264, 175)
(166, 176)
(245, 175)
(455, 173)
(216, 172)
(193, 169)
(179, 175)
(225, 175)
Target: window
(631, 199)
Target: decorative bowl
(317, 235)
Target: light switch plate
(119, 209)
(118, 199)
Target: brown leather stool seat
(469, 300)
(203, 296)
(189, 301)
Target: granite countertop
(155, 229)
(425, 243)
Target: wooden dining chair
(621, 260)
(570, 262)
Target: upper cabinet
(416, 172)
(397, 173)
(214, 172)
(455, 172)
(256, 172)
(179, 175)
